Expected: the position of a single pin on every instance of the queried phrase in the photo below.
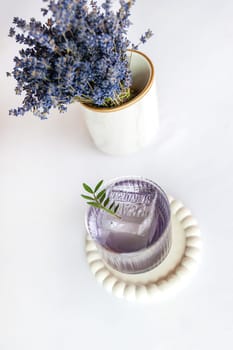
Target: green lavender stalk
(97, 198)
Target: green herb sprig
(97, 198)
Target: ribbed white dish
(166, 279)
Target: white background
(48, 298)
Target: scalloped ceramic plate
(166, 279)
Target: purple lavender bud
(80, 51)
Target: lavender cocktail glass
(141, 239)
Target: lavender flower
(79, 53)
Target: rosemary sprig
(97, 198)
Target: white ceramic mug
(132, 126)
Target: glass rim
(133, 177)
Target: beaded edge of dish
(158, 289)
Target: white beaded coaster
(164, 280)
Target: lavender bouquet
(79, 53)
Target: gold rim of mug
(135, 99)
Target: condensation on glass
(141, 239)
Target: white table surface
(48, 298)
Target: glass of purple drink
(140, 238)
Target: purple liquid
(141, 238)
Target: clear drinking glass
(141, 238)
